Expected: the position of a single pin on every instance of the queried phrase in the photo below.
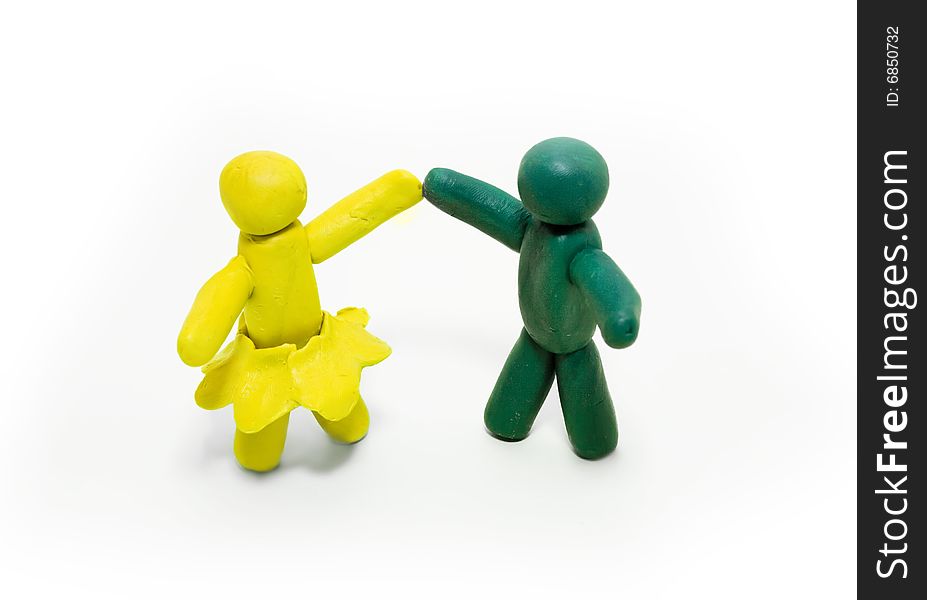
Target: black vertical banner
(891, 364)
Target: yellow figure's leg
(350, 429)
(261, 451)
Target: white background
(729, 128)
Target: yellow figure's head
(262, 191)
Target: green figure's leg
(587, 407)
(520, 390)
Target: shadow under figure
(288, 351)
(566, 286)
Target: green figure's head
(563, 181)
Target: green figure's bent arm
(484, 206)
(217, 305)
(610, 295)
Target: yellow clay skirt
(265, 384)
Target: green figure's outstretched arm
(484, 206)
(610, 295)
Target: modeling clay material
(566, 287)
(358, 214)
(288, 351)
(264, 384)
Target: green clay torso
(554, 310)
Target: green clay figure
(566, 286)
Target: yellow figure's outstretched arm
(217, 305)
(358, 214)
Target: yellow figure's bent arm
(217, 305)
(358, 214)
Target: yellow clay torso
(284, 307)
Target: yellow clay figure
(288, 351)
